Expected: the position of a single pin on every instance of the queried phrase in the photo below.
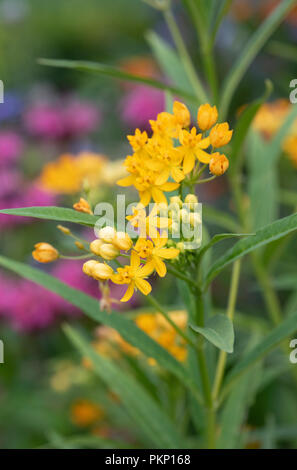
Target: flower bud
(220, 135)
(207, 116)
(108, 251)
(184, 215)
(107, 234)
(191, 200)
(218, 164)
(176, 200)
(122, 241)
(45, 253)
(180, 246)
(95, 246)
(195, 219)
(181, 114)
(83, 206)
(64, 230)
(99, 271)
(79, 245)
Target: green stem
(89, 255)
(180, 275)
(206, 386)
(161, 310)
(206, 47)
(230, 314)
(184, 56)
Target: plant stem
(89, 255)
(206, 386)
(184, 56)
(230, 314)
(180, 275)
(161, 310)
(206, 47)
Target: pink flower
(141, 104)
(11, 147)
(44, 121)
(81, 118)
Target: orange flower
(218, 164)
(45, 253)
(83, 206)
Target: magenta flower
(141, 104)
(11, 147)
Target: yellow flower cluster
(111, 343)
(146, 256)
(269, 120)
(157, 159)
(68, 174)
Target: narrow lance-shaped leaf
(60, 214)
(90, 306)
(114, 72)
(146, 413)
(265, 235)
(218, 238)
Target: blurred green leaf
(220, 218)
(262, 174)
(90, 306)
(283, 331)
(147, 414)
(265, 235)
(284, 50)
(114, 72)
(251, 50)
(219, 331)
(169, 62)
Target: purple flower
(141, 104)
(11, 147)
(63, 120)
(11, 107)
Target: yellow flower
(45, 253)
(67, 174)
(138, 140)
(218, 164)
(207, 116)
(148, 225)
(154, 252)
(192, 145)
(85, 413)
(220, 135)
(83, 206)
(148, 188)
(167, 163)
(133, 275)
(182, 114)
(98, 271)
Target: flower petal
(163, 177)
(204, 143)
(129, 292)
(144, 286)
(145, 197)
(189, 162)
(160, 266)
(202, 156)
(167, 253)
(177, 174)
(127, 181)
(158, 195)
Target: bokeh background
(60, 129)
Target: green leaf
(284, 50)
(54, 213)
(90, 306)
(169, 62)
(218, 238)
(265, 235)
(251, 50)
(219, 331)
(283, 331)
(234, 411)
(262, 174)
(146, 413)
(243, 124)
(114, 72)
